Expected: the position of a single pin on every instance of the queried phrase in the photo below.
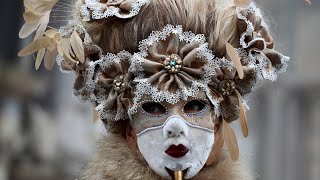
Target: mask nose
(175, 127)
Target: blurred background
(46, 133)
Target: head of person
(170, 75)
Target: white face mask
(176, 146)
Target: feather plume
(39, 58)
(234, 56)
(50, 57)
(43, 23)
(36, 45)
(27, 29)
(55, 34)
(67, 50)
(77, 46)
(231, 141)
(37, 16)
(242, 3)
(243, 117)
(217, 146)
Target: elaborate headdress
(169, 65)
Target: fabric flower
(108, 81)
(172, 65)
(255, 59)
(123, 9)
(257, 44)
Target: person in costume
(166, 77)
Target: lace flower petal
(108, 82)
(172, 65)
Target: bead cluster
(227, 87)
(173, 63)
(119, 83)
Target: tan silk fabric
(272, 55)
(230, 104)
(192, 67)
(115, 101)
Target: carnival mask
(175, 137)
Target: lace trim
(257, 61)
(93, 9)
(143, 87)
(111, 114)
(95, 69)
(242, 14)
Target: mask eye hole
(194, 106)
(154, 108)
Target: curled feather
(243, 117)
(231, 141)
(217, 146)
(234, 56)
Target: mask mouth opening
(177, 151)
(171, 173)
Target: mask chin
(176, 146)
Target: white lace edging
(94, 9)
(143, 87)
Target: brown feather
(231, 141)
(217, 146)
(234, 56)
(243, 117)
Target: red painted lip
(177, 151)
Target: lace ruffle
(94, 9)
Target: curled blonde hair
(215, 19)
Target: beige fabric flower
(172, 65)
(109, 81)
